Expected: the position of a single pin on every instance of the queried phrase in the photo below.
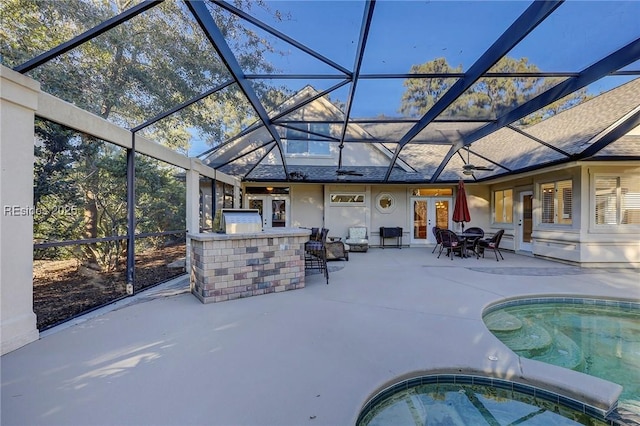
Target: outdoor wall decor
(385, 203)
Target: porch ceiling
(435, 86)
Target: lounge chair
(336, 249)
(358, 239)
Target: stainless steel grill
(239, 221)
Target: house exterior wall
(311, 207)
(603, 244)
(559, 241)
(307, 206)
(340, 218)
(582, 241)
(478, 200)
(396, 216)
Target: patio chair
(315, 254)
(358, 239)
(436, 233)
(472, 242)
(492, 243)
(451, 242)
(336, 249)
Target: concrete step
(535, 341)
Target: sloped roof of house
(475, 74)
(560, 138)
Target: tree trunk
(91, 204)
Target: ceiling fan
(344, 172)
(469, 168)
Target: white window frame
(504, 212)
(308, 139)
(351, 199)
(559, 214)
(618, 207)
(389, 205)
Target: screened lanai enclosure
(449, 90)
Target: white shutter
(565, 201)
(606, 200)
(630, 201)
(548, 196)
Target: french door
(427, 212)
(273, 209)
(525, 221)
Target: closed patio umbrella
(461, 210)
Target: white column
(19, 101)
(193, 208)
(236, 196)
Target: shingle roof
(505, 150)
(627, 147)
(571, 130)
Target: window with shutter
(548, 192)
(565, 201)
(630, 201)
(606, 210)
(556, 200)
(617, 200)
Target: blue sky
(404, 33)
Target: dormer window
(308, 140)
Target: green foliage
(160, 198)
(421, 94)
(80, 192)
(127, 75)
(140, 68)
(489, 98)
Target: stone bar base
(231, 266)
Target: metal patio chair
(451, 243)
(315, 253)
(492, 243)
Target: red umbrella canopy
(461, 210)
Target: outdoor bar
(232, 266)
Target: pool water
(596, 337)
(470, 404)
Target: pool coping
(598, 393)
(480, 379)
(626, 303)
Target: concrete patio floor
(311, 356)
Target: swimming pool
(472, 400)
(597, 337)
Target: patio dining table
(466, 238)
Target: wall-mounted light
(269, 188)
